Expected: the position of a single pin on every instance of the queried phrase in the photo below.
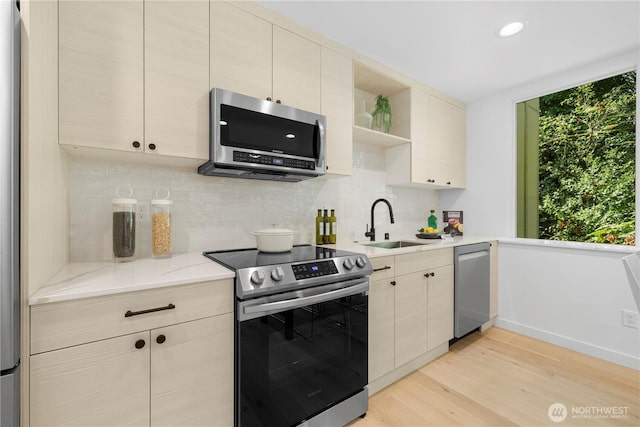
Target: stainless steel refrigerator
(9, 213)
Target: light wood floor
(504, 379)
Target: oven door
(300, 353)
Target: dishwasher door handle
(473, 255)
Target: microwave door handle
(318, 142)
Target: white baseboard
(629, 361)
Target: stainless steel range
(301, 335)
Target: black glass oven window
(294, 364)
(258, 131)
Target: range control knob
(277, 274)
(361, 262)
(348, 264)
(257, 277)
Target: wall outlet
(142, 212)
(630, 319)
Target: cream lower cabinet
(175, 367)
(439, 306)
(100, 383)
(411, 317)
(192, 373)
(410, 309)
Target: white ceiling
(452, 45)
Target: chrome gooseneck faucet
(371, 234)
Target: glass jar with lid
(161, 228)
(124, 229)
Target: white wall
(541, 286)
(213, 213)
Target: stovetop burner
(260, 273)
(251, 257)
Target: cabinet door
(192, 373)
(337, 105)
(101, 383)
(438, 139)
(411, 317)
(296, 71)
(241, 51)
(440, 306)
(381, 328)
(176, 49)
(101, 73)
(420, 156)
(447, 142)
(457, 158)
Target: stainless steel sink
(394, 244)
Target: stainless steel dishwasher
(472, 288)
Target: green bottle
(332, 228)
(432, 221)
(325, 234)
(319, 228)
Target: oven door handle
(259, 310)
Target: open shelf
(373, 137)
(368, 84)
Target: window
(577, 163)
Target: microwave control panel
(265, 159)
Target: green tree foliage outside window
(587, 162)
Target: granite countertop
(90, 279)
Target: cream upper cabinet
(134, 76)
(439, 306)
(337, 105)
(420, 156)
(447, 142)
(176, 78)
(101, 58)
(100, 383)
(250, 55)
(192, 373)
(241, 49)
(296, 71)
(436, 156)
(411, 317)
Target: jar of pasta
(161, 228)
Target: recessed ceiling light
(511, 29)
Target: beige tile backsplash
(212, 213)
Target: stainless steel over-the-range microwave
(260, 139)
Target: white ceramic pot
(274, 239)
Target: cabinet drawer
(383, 268)
(69, 323)
(419, 261)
